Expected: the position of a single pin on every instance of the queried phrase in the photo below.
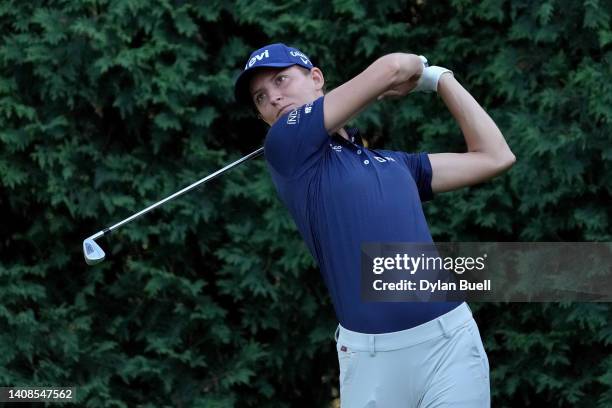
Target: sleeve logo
(294, 117)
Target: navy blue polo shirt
(341, 194)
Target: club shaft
(180, 192)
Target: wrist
(430, 78)
(445, 78)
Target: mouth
(284, 109)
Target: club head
(92, 251)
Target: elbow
(506, 161)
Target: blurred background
(107, 106)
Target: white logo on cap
(256, 58)
(302, 56)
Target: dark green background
(213, 300)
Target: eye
(281, 78)
(259, 98)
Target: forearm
(480, 131)
(387, 72)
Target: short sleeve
(420, 168)
(297, 139)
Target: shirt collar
(353, 134)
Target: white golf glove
(430, 77)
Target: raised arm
(396, 72)
(487, 155)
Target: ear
(318, 78)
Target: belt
(443, 325)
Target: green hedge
(213, 300)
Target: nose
(275, 97)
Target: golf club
(92, 251)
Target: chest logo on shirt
(336, 148)
(382, 160)
(308, 108)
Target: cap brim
(241, 88)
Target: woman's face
(276, 91)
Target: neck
(343, 133)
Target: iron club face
(92, 251)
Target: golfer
(342, 194)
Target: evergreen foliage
(213, 300)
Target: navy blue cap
(272, 55)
